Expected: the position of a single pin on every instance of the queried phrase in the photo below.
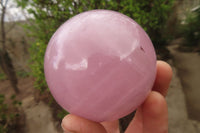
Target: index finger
(163, 78)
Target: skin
(151, 116)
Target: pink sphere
(100, 65)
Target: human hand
(151, 116)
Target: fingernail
(65, 130)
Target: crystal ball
(100, 65)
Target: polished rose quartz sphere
(100, 65)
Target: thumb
(75, 124)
